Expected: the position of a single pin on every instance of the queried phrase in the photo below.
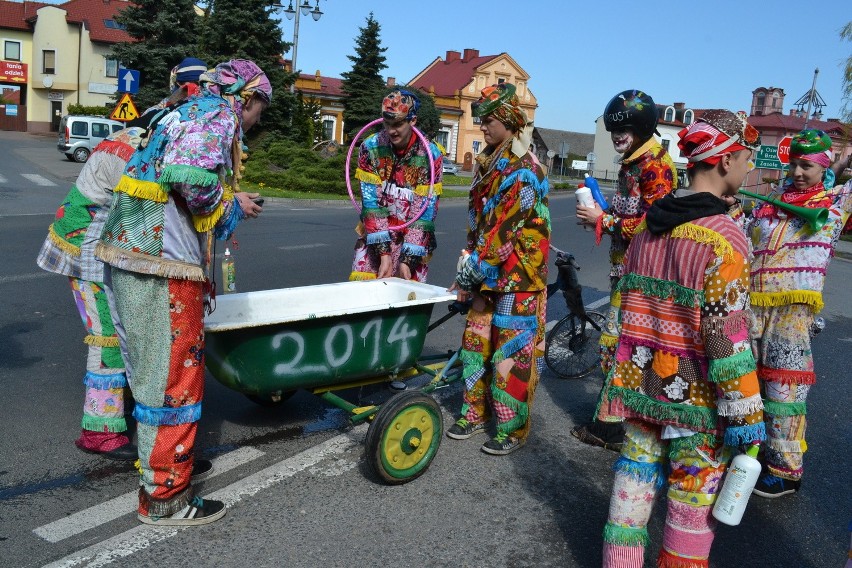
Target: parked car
(451, 168)
(78, 135)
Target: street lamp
(293, 14)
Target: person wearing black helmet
(647, 173)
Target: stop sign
(784, 150)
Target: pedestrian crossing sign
(125, 110)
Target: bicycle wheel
(571, 349)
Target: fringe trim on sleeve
(771, 299)
(699, 234)
(191, 175)
(360, 276)
(379, 237)
(775, 408)
(146, 264)
(697, 440)
(101, 341)
(142, 189)
(662, 289)
(625, 536)
(741, 407)
(733, 367)
(167, 415)
(61, 243)
(786, 376)
(367, 177)
(423, 189)
(204, 223)
(740, 435)
(116, 148)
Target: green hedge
(90, 110)
(285, 165)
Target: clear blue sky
(709, 54)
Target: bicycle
(571, 348)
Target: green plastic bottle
(229, 273)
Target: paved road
(296, 476)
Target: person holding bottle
(647, 173)
(504, 273)
(787, 277)
(684, 375)
(179, 191)
(393, 168)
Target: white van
(78, 135)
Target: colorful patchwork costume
(69, 250)
(395, 188)
(787, 278)
(508, 240)
(684, 375)
(173, 199)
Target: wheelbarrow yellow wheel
(404, 437)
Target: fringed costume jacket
(173, 192)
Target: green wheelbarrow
(332, 337)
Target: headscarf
(237, 80)
(400, 104)
(187, 71)
(716, 133)
(812, 145)
(501, 101)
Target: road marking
(139, 538)
(25, 277)
(124, 504)
(302, 247)
(38, 180)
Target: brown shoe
(584, 434)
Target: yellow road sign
(125, 110)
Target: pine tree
(364, 84)
(245, 29)
(164, 32)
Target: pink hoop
(431, 173)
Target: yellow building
(455, 82)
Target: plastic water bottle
(229, 273)
(739, 481)
(584, 198)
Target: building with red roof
(328, 92)
(56, 55)
(455, 82)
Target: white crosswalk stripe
(39, 180)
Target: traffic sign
(125, 110)
(128, 81)
(767, 158)
(784, 149)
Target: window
(48, 61)
(12, 50)
(327, 128)
(761, 100)
(113, 25)
(79, 128)
(111, 67)
(476, 145)
(442, 137)
(669, 117)
(688, 117)
(774, 101)
(500, 81)
(666, 143)
(100, 130)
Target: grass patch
(456, 180)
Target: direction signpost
(128, 81)
(767, 158)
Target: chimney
(470, 54)
(391, 81)
(453, 56)
(679, 106)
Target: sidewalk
(843, 250)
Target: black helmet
(631, 109)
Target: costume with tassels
(69, 250)
(395, 188)
(173, 198)
(684, 376)
(508, 240)
(787, 278)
